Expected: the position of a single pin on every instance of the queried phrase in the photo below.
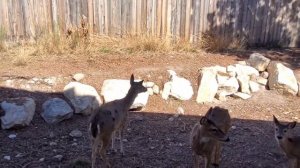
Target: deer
(207, 136)
(289, 143)
(109, 118)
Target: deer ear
(131, 79)
(275, 120)
(292, 124)
(203, 121)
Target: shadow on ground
(152, 140)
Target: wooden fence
(260, 22)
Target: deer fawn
(288, 143)
(110, 118)
(207, 135)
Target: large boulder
(113, 89)
(178, 87)
(208, 86)
(258, 61)
(18, 112)
(56, 110)
(84, 98)
(282, 79)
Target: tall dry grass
(2, 38)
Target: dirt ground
(152, 140)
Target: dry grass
(2, 38)
(210, 42)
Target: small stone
(19, 155)
(58, 157)
(241, 95)
(125, 140)
(50, 81)
(233, 127)
(180, 110)
(152, 147)
(264, 74)
(76, 133)
(155, 89)
(53, 143)
(78, 77)
(7, 157)
(74, 144)
(171, 119)
(51, 135)
(12, 136)
(42, 159)
(242, 62)
(148, 84)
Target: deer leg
(105, 142)
(113, 142)
(216, 155)
(196, 159)
(95, 144)
(121, 141)
(207, 162)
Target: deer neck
(129, 99)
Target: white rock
(56, 110)
(7, 157)
(221, 79)
(216, 69)
(155, 89)
(244, 83)
(258, 61)
(208, 86)
(166, 90)
(254, 87)
(113, 89)
(221, 95)
(76, 133)
(9, 83)
(50, 80)
(148, 84)
(282, 79)
(18, 112)
(150, 91)
(264, 74)
(12, 136)
(242, 62)
(231, 70)
(229, 87)
(246, 70)
(180, 110)
(84, 98)
(181, 88)
(261, 80)
(78, 76)
(241, 95)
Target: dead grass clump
(184, 46)
(2, 38)
(213, 43)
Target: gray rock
(241, 95)
(208, 86)
(78, 76)
(12, 136)
(84, 98)
(282, 79)
(76, 133)
(258, 61)
(18, 112)
(113, 89)
(59, 157)
(56, 110)
(7, 157)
